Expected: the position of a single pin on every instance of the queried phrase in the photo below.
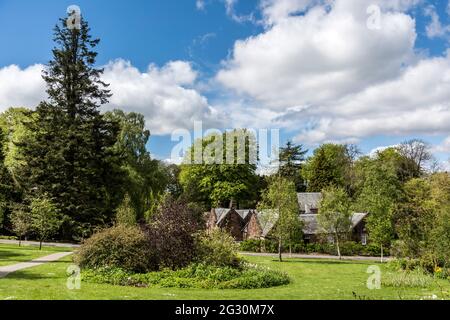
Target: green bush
(217, 248)
(348, 248)
(121, 247)
(442, 273)
(255, 277)
(8, 238)
(252, 245)
(194, 276)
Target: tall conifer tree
(71, 158)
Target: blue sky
(239, 63)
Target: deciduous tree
(45, 218)
(279, 208)
(335, 214)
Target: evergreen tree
(70, 158)
(126, 215)
(291, 159)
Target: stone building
(251, 224)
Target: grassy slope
(311, 280)
(12, 254)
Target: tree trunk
(338, 248)
(40, 244)
(20, 241)
(279, 250)
(381, 253)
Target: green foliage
(217, 248)
(251, 245)
(70, 155)
(378, 191)
(279, 208)
(123, 247)
(335, 214)
(13, 123)
(330, 165)
(145, 178)
(291, 160)
(125, 214)
(347, 248)
(218, 178)
(8, 238)
(8, 192)
(21, 221)
(415, 218)
(199, 276)
(45, 218)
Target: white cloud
(446, 166)
(435, 29)
(200, 5)
(166, 95)
(21, 87)
(444, 147)
(324, 75)
(276, 10)
(231, 12)
(319, 56)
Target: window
(364, 239)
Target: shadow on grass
(325, 262)
(7, 255)
(26, 276)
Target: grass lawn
(12, 254)
(312, 279)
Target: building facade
(250, 224)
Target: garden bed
(198, 276)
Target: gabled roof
(357, 218)
(267, 220)
(244, 213)
(221, 213)
(311, 199)
(311, 223)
